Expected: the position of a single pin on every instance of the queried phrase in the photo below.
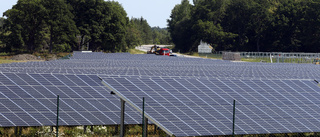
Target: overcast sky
(156, 12)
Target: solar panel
(30, 100)
(150, 65)
(185, 96)
(202, 107)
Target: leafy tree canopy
(246, 25)
(66, 25)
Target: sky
(156, 12)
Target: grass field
(264, 59)
(6, 57)
(135, 51)
(112, 131)
(71, 131)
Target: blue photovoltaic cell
(200, 107)
(123, 64)
(5, 122)
(35, 103)
(15, 119)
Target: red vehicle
(164, 51)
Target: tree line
(67, 25)
(247, 25)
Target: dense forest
(247, 25)
(98, 25)
(67, 25)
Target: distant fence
(274, 57)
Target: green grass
(110, 131)
(5, 57)
(285, 60)
(71, 131)
(6, 60)
(264, 59)
(255, 60)
(210, 56)
(135, 51)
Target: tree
(24, 23)
(144, 30)
(1, 32)
(206, 18)
(133, 36)
(259, 21)
(179, 26)
(213, 34)
(115, 30)
(102, 24)
(89, 16)
(1, 21)
(32, 25)
(309, 25)
(285, 26)
(161, 36)
(62, 28)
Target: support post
(91, 128)
(20, 131)
(116, 128)
(57, 128)
(16, 131)
(143, 124)
(155, 129)
(234, 114)
(145, 133)
(84, 129)
(122, 118)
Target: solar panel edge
(136, 107)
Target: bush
(61, 48)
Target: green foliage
(139, 32)
(1, 21)
(60, 26)
(61, 48)
(115, 30)
(247, 25)
(133, 35)
(179, 26)
(161, 36)
(136, 51)
(144, 30)
(24, 23)
(63, 26)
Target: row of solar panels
(203, 107)
(31, 100)
(185, 97)
(150, 65)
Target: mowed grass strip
(6, 59)
(135, 51)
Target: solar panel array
(203, 107)
(31, 100)
(124, 64)
(184, 96)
